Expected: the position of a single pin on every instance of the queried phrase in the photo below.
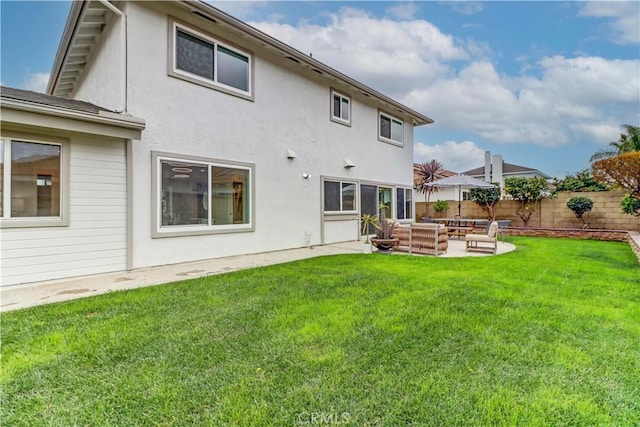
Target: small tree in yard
(527, 192)
(622, 171)
(580, 206)
(486, 198)
(427, 173)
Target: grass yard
(546, 335)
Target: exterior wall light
(348, 163)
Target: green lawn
(546, 335)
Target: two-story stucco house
(241, 144)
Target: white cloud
(623, 18)
(601, 132)
(404, 10)
(455, 156)
(467, 7)
(391, 59)
(478, 49)
(557, 100)
(240, 9)
(592, 80)
(36, 82)
(570, 94)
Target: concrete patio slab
(33, 294)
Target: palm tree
(428, 172)
(629, 141)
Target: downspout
(123, 49)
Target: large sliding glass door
(369, 203)
(376, 200)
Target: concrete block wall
(552, 213)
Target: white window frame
(159, 230)
(62, 220)
(355, 198)
(339, 119)
(382, 114)
(405, 190)
(194, 78)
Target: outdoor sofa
(422, 238)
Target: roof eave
(63, 47)
(104, 117)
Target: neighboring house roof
(507, 169)
(87, 21)
(48, 105)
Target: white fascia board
(103, 117)
(17, 116)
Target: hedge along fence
(552, 213)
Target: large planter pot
(384, 244)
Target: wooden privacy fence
(550, 213)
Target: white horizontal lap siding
(95, 240)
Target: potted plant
(368, 221)
(440, 206)
(384, 239)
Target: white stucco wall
(95, 239)
(289, 112)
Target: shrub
(440, 206)
(630, 205)
(580, 206)
(581, 181)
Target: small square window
(391, 129)
(340, 108)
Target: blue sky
(544, 84)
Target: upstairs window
(340, 108)
(204, 60)
(390, 129)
